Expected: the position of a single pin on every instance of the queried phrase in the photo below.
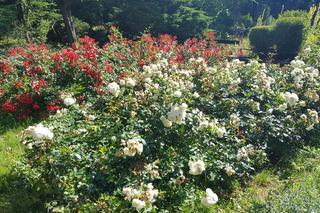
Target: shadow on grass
(15, 198)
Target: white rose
(221, 132)
(203, 125)
(40, 133)
(114, 88)
(131, 82)
(177, 94)
(138, 204)
(283, 107)
(166, 123)
(302, 103)
(211, 198)
(270, 111)
(196, 95)
(178, 113)
(127, 191)
(122, 82)
(196, 167)
(308, 50)
(147, 80)
(134, 146)
(91, 117)
(291, 98)
(230, 171)
(69, 101)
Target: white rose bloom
(40, 132)
(283, 107)
(134, 146)
(291, 98)
(147, 80)
(127, 191)
(138, 204)
(196, 167)
(308, 50)
(210, 199)
(309, 128)
(178, 113)
(302, 103)
(177, 94)
(221, 132)
(122, 82)
(91, 117)
(203, 125)
(114, 88)
(304, 117)
(270, 111)
(131, 82)
(230, 171)
(297, 63)
(166, 123)
(29, 145)
(69, 101)
(151, 193)
(242, 153)
(235, 120)
(196, 95)
(314, 116)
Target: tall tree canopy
(43, 20)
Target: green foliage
(289, 36)
(188, 22)
(261, 39)
(7, 18)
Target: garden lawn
(12, 198)
(10, 150)
(291, 186)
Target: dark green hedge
(286, 36)
(289, 35)
(261, 39)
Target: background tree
(65, 9)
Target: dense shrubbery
(289, 35)
(152, 125)
(261, 39)
(32, 77)
(286, 35)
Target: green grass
(13, 197)
(10, 150)
(293, 185)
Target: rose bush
(168, 127)
(33, 79)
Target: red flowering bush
(33, 78)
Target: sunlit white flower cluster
(140, 198)
(39, 134)
(211, 198)
(133, 147)
(196, 167)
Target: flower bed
(165, 131)
(33, 78)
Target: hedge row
(285, 38)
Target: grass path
(292, 186)
(10, 150)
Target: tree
(65, 9)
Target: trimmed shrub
(289, 35)
(261, 39)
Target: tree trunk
(65, 9)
